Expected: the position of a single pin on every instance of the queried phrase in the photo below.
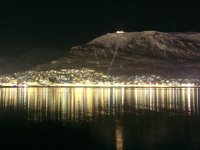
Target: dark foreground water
(100, 118)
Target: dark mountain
(6, 65)
(141, 53)
(28, 60)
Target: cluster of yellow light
(100, 84)
(125, 85)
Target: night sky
(26, 24)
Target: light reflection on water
(123, 115)
(87, 104)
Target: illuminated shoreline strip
(103, 85)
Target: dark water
(100, 118)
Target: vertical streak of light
(183, 99)
(193, 101)
(113, 99)
(170, 98)
(197, 91)
(108, 101)
(157, 100)
(136, 97)
(68, 104)
(176, 99)
(189, 100)
(163, 98)
(145, 98)
(46, 102)
(123, 99)
(123, 96)
(150, 98)
(25, 98)
(96, 97)
(28, 103)
(119, 137)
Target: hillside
(148, 52)
(11, 63)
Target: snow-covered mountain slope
(189, 36)
(153, 43)
(148, 52)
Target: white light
(119, 32)
(188, 85)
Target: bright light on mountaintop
(120, 32)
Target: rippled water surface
(99, 118)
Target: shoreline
(96, 86)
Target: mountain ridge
(148, 52)
(122, 53)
